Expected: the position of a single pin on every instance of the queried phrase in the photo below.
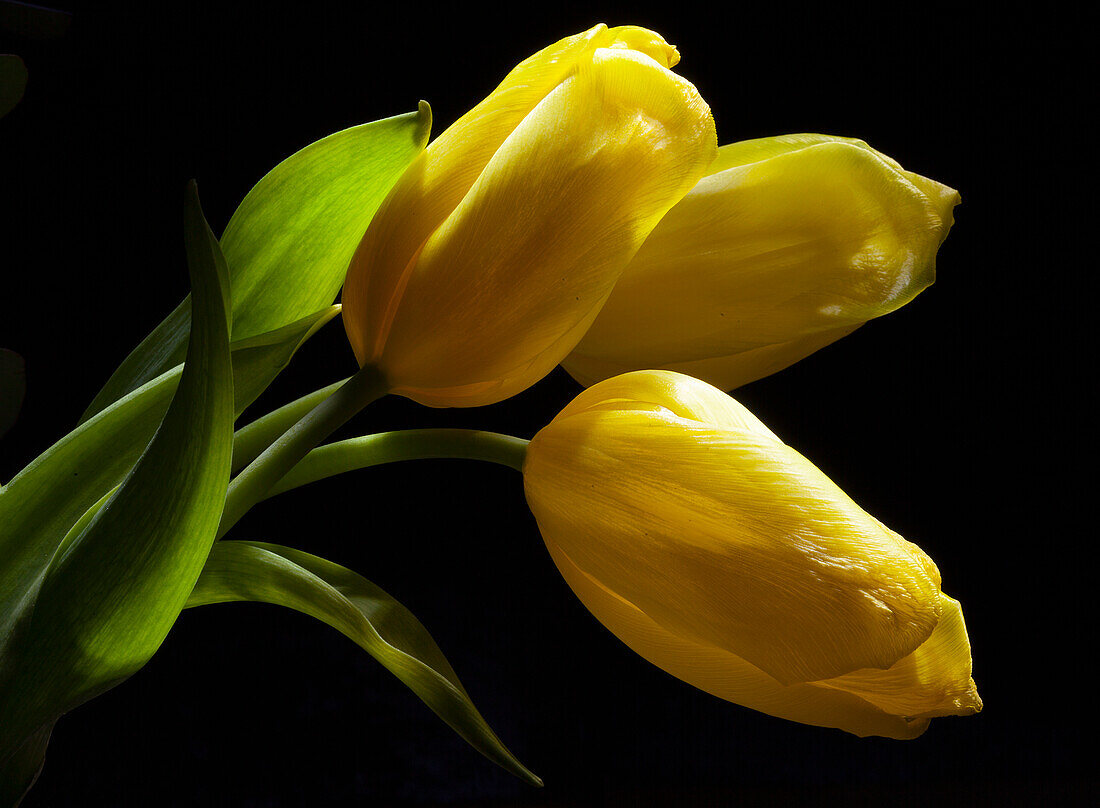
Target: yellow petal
(787, 245)
(673, 393)
(458, 155)
(744, 152)
(726, 675)
(934, 680)
(502, 289)
(723, 535)
(726, 371)
(432, 187)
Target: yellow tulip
(495, 250)
(724, 557)
(786, 245)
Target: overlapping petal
(724, 557)
(935, 680)
(891, 703)
(523, 214)
(787, 245)
(726, 536)
(533, 249)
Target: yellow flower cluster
(582, 214)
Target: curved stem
(253, 483)
(250, 441)
(409, 444)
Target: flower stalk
(407, 444)
(253, 483)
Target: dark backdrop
(940, 419)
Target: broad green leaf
(13, 386)
(107, 602)
(290, 242)
(13, 81)
(269, 573)
(42, 502)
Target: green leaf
(108, 600)
(13, 81)
(13, 387)
(258, 360)
(290, 242)
(42, 502)
(268, 573)
(24, 765)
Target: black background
(945, 419)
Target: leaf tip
(423, 121)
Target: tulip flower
(495, 250)
(785, 246)
(724, 557)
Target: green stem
(250, 441)
(409, 444)
(253, 483)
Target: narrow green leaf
(24, 765)
(258, 360)
(269, 573)
(290, 242)
(13, 81)
(107, 602)
(40, 504)
(13, 386)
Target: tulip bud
(788, 244)
(724, 557)
(495, 250)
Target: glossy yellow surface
(726, 558)
(788, 244)
(495, 250)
